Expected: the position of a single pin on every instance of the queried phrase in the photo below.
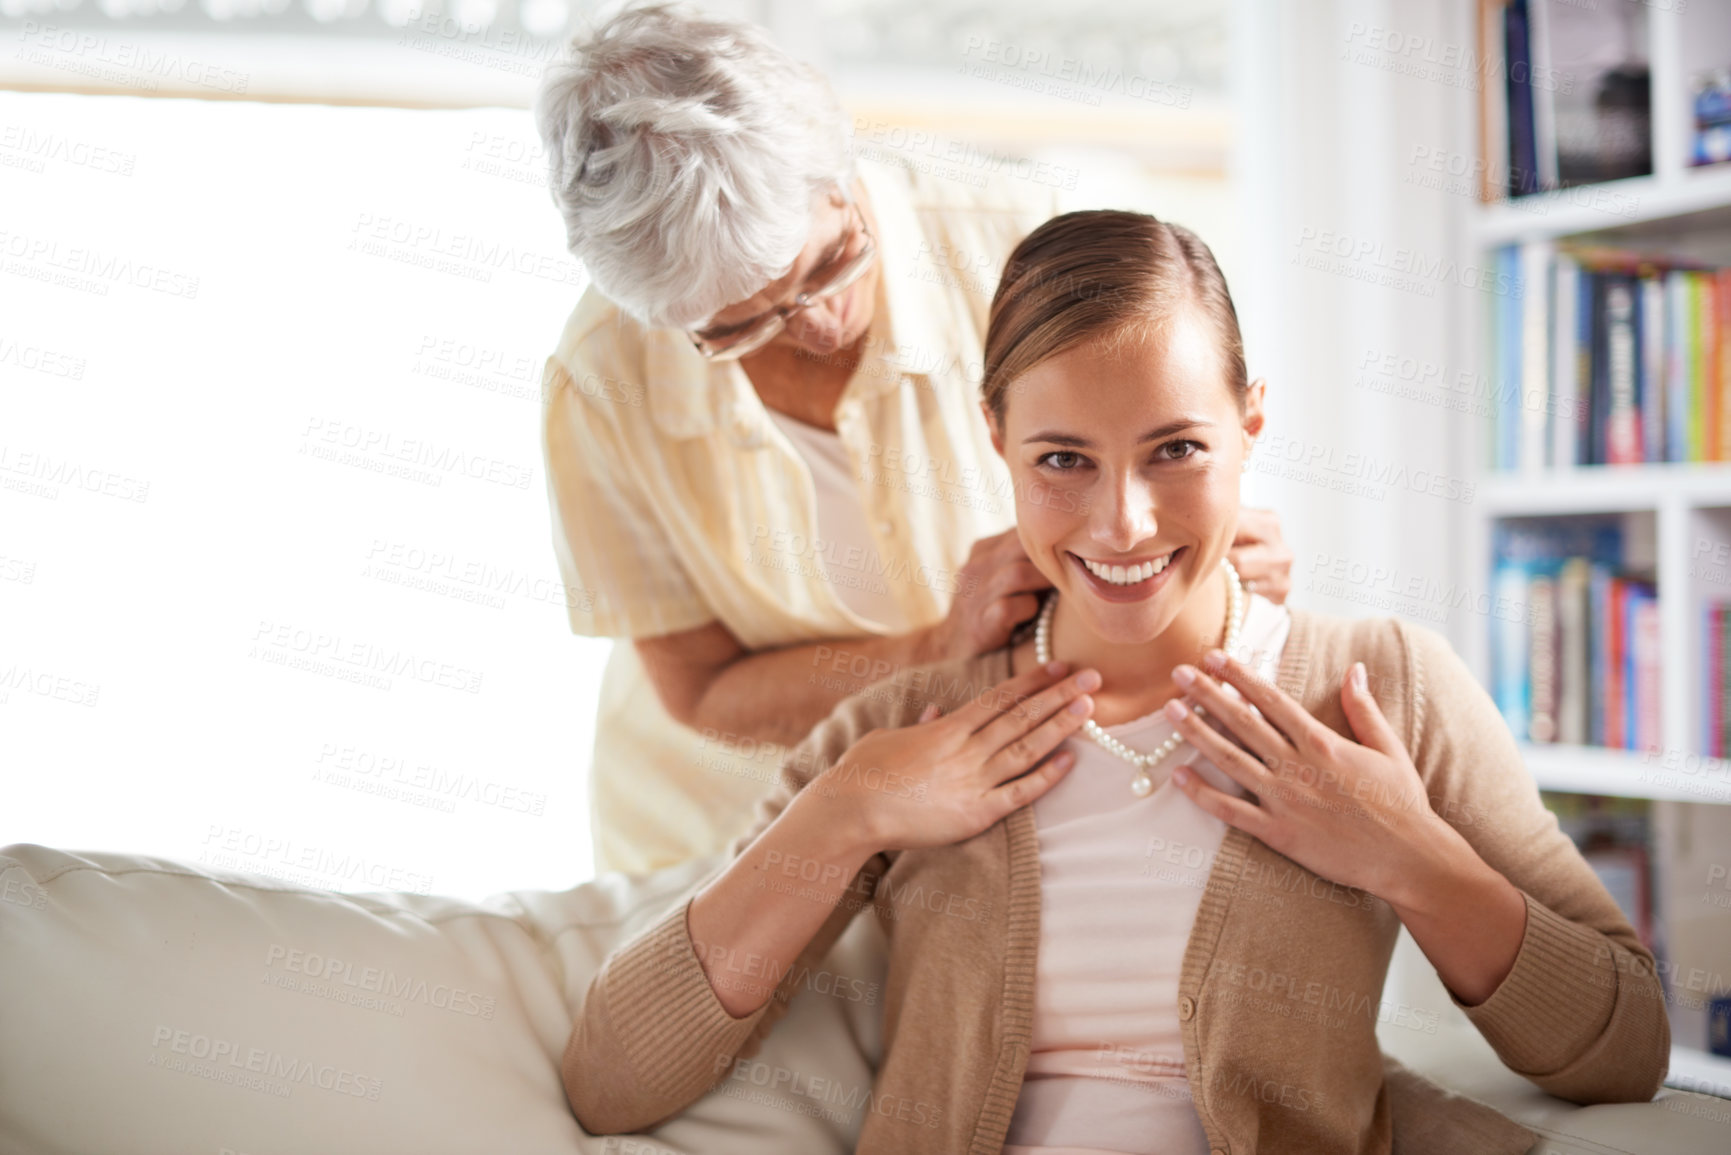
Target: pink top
(1121, 878)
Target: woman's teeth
(1120, 575)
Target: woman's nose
(1124, 518)
(816, 327)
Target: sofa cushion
(156, 1006)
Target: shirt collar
(914, 327)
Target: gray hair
(684, 152)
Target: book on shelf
(1712, 118)
(1565, 95)
(1608, 357)
(1615, 836)
(1716, 681)
(1575, 644)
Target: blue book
(1676, 380)
(1543, 545)
(1520, 551)
(1584, 317)
(1523, 145)
(1641, 391)
(1511, 685)
(1509, 366)
(1598, 650)
(1599, 386)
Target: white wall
(1337, 220)
(170, 539)
(1343, 106)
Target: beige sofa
(150, 1006)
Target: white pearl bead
(1142, 785)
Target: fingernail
(1181, 775)
(1358, 678)
(1176, 710)
(1184, 676)
(1088, 680)
(1215, 659)
(1081, 706)
(1056, 667)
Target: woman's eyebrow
(1053, 437)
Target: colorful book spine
(1652, 376)
(1523, 150)
(1565, 363)
(1542, 657)
(1535, 378)
(1724, 682)
(1608, 358)
(1598, 651)
(1692, 363)
(1622, 432)
(1676, 368)
(1713, 680)
(1509, 314)
(1511, 686)
(1581, 665)
(1614, 703)
(1573, 681)
(1707, 366)
(1586, 301)
(1644, 668)
(1722, 336)
(1598, 384)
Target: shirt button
(1186, 1008)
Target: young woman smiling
(1148, 905)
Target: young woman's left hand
(1352, 812)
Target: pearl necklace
(1142, 785)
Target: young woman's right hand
(947, 778)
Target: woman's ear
(1253, 415)
(993, 428)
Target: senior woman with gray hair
(766, 460)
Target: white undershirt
(1121, 879)
(852, 564)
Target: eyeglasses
(728, 343)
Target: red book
(1710, 379)
(1722, 362)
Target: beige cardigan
(1282, 975)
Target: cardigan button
(1187, 1011)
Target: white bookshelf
(1673, 515)
(1678, 510)
(1639, 202)
(1628, 774)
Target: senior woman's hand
(1260, 554)
(996, 591)
(1354, 812)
